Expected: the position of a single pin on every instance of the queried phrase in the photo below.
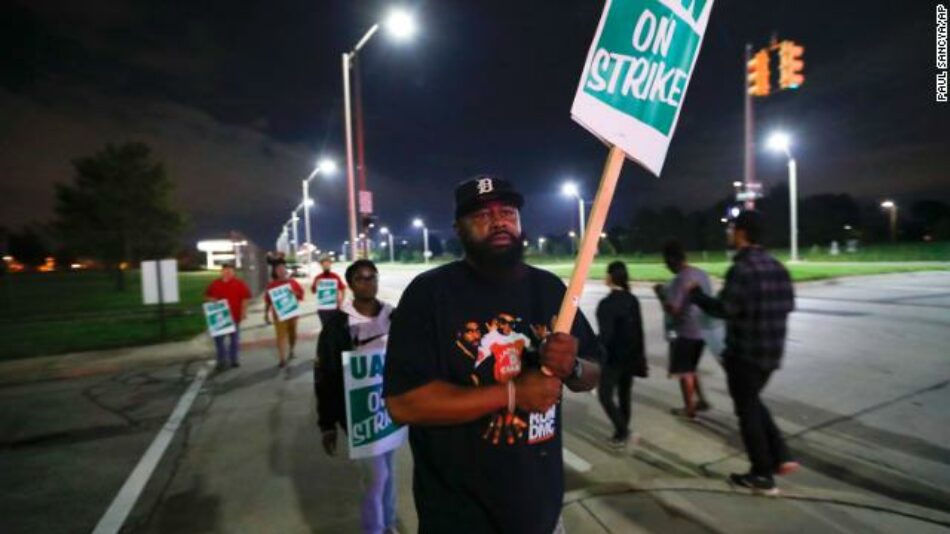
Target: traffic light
(366, 219)
(758, 74)
(790, 65)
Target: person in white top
(362, 323)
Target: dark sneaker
(282, 364)
(683, 412)
(760, 485)
(787, 468)
(235, 364)
(703, 406)
(618, 441)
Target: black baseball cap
(472, 194)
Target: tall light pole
(541, 241)
(781, 142)
(401, 26)
(325, 167)
(570, 189)
(891, 207)
(572, 235)
(425, 238)
(295, 242)
(392, 251)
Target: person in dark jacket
(621, 334)
(362, 323)
(755, 302)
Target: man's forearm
(442, 403)
(590, 377)
(709, 305)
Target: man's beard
(491, 259)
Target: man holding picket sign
(487, 447)
(224, 321)
(329, 290)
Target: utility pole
(748, 174)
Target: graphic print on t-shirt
(499, 350)
(503, 345)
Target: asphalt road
(862, 397)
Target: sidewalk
(704, 505)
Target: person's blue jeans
(378, 510)
(231, 354)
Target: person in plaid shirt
(755, 302)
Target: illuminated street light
(891, 207)
(417, 223)
(392, 250)
(401, 26)
(570, 189)
(326, 167)
(782, 142)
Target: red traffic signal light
(758, 74)
(791, 65)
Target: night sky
(239, 99)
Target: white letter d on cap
(485, 185)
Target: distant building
(246, 256)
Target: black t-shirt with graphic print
(500, 473)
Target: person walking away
(360, 324)
(286, 330)
(326, 264)
(232, 289)
(687, 342)
(621, 334)
(464, 371)
(755, 302)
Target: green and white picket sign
(371, 431)
(284, 301)
(327, 294)
(218, 318)
(630, 95)
(638, 67)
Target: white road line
(575, 462)
(121, 506)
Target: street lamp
(891, 207)
(417, 223)
(572, 235)
(570, 189)
(293, 227)
(401, 26)
(392, 250)
(541, 241)
(326, 167)
(781, 142)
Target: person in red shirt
(286, 330)
(326, 263)
(230, 288)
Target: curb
(667, 492)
